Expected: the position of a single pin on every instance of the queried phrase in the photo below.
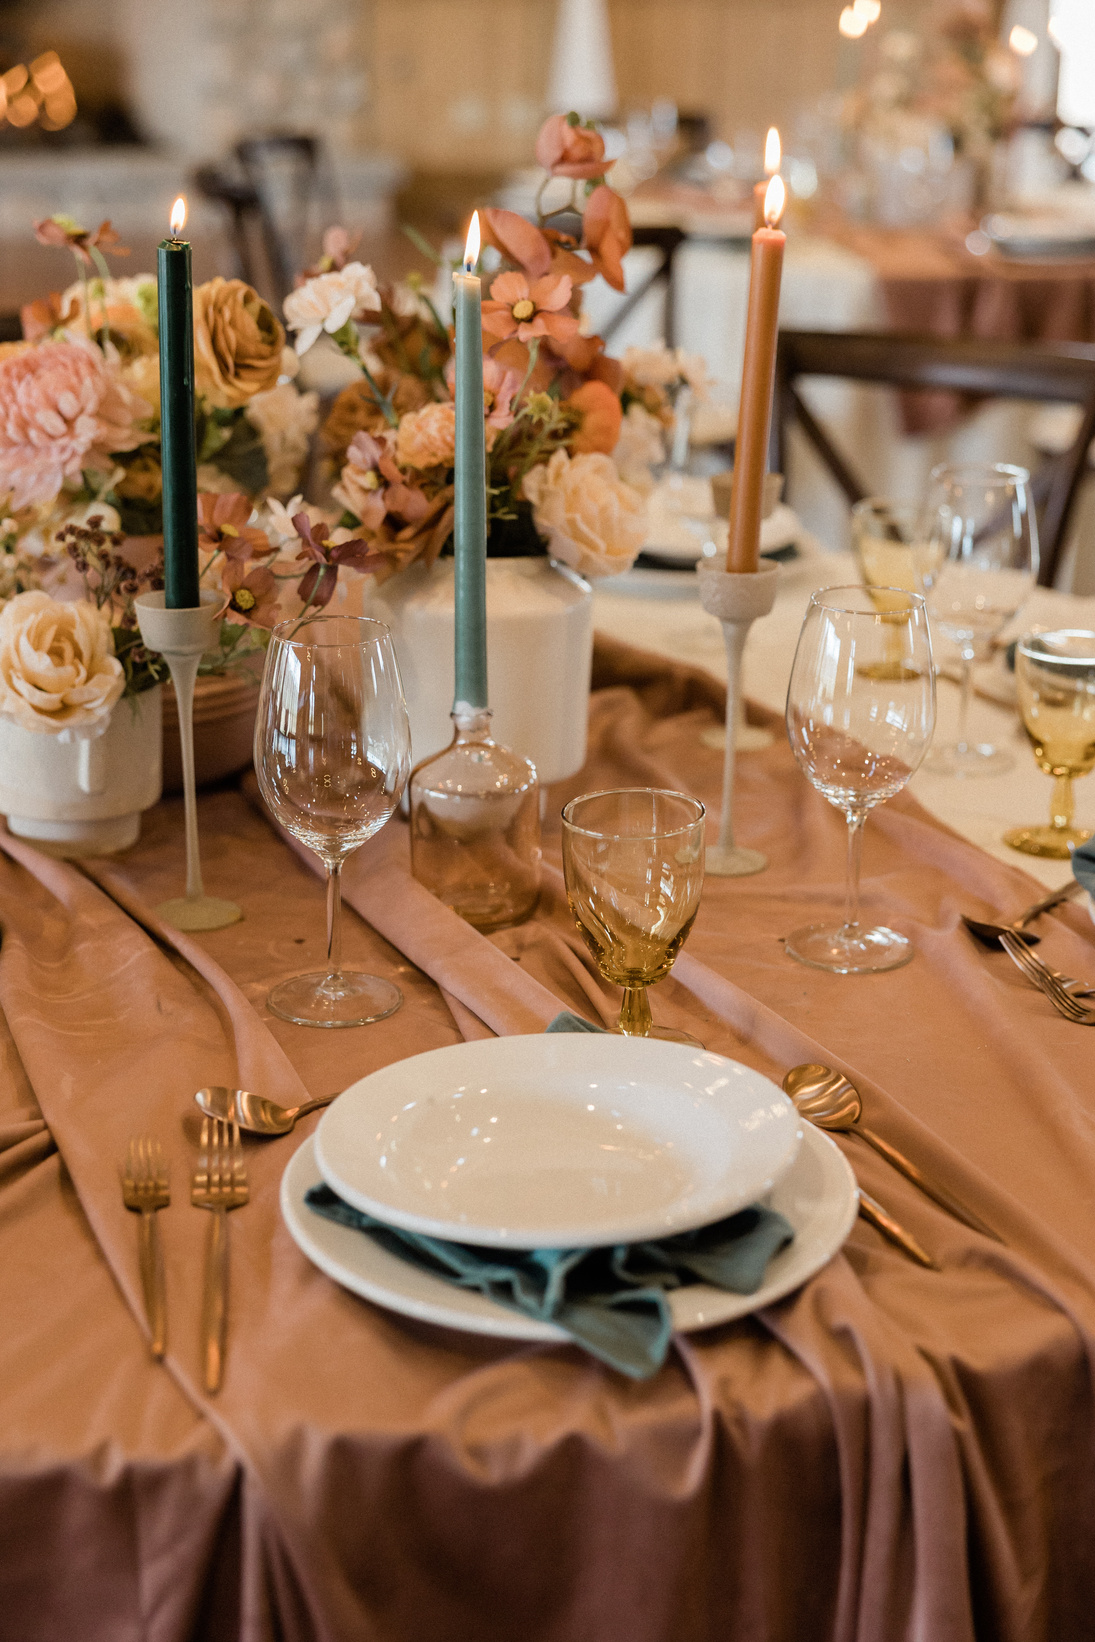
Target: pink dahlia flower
(62, 409)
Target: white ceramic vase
(539, 656)
(77, 798)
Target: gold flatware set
(1066, 994)
(219, 1185)
(827, 1098)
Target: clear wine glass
(633, 865)
(987, 534)
(332, 754)
(859, 726)
(1055, 680)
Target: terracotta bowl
(224, 730)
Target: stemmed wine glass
(859, 726)
(987, 535)
(332, 754)
(633, 865)
(1055, 679)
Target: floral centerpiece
(554, 401)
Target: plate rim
(567, 1237)
(469, 1312)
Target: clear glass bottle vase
(475, 826)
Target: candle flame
(774, 201)
(471, 249)
(852, 24)
(178, 217)
(1022, 41)
(870, 9)
(773, 154)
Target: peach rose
(426, 438)
(58, 670)
(237, 343)
(592, 520)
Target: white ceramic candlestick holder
(737, 598)
(182, 637)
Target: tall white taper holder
(182, 637)
(737, 598)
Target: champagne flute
(987, 534)
(332, 754)
(859, 731)
(633, 865)
(1055, 679)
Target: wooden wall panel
(460, 84)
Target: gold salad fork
(219, 1184)
(145, 1189)
(1055, 986)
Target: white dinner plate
(557, 1141)
(817, 1195)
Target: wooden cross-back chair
(1061, 372)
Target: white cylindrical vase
(539, 656)
(74, 798)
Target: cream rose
(58, 670)
(592, 519)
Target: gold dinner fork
(144, 1190)
(1055, 986)
(219, 1184)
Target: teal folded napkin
(1083, 865)
(610, 1300)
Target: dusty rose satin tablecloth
(889, 1453)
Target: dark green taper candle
(177, 453)
(470, 528)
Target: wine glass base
(849, 949)
(972, 759)
(1052, 843)
(665, 1034)
(735, 862)
(350, 999)
(191, 913)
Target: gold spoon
(253, 1112)
(828, 1099)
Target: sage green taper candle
(177, 453)
(471, 485)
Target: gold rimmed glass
(332, 755)
(858, 728)
(633, 865)
(894, 547)
(1055, 683)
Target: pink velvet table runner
(889, 1453)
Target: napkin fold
(612, 1300)
(1083, 866)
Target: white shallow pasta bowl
(557, 1141)
(817, 1195)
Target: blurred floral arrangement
(555, 405)
(953, 76)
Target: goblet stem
(964, 701)
(635, 1017)
(855, 820)
(334, 921)
(1062, 806)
